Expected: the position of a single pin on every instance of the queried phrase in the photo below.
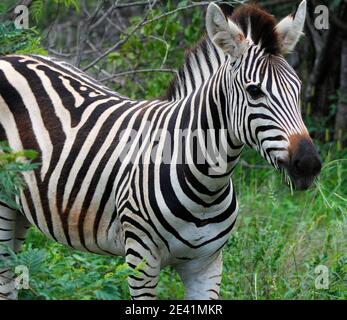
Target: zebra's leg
(202, 278)
(13, 229)
(143, 255)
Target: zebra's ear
(224, 33)
(290, 28)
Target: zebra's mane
(205, 58)
(201, 62)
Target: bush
(20, 41)
(12, 163)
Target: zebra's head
(264, 90)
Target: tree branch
(84, 29)
(143, 23)
(121, 42)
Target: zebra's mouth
(292, 179)
(300, 178)
(303, 164)
(302, 183)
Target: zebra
(97, 190)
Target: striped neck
(209, 134)
(204, 70)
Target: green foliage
(11, 165)
(3, 7)
(157, 45)
(57, 272)
(280, 239)
(21, 41)
(69, 3)
(38, 8)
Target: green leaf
(36, 9)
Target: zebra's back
(74, 124)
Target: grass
(278, 242)
(282, 237)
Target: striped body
(83, 190)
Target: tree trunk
(341, 114)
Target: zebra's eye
(255, 92)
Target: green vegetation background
(280, 237)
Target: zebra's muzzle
(304, 163)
